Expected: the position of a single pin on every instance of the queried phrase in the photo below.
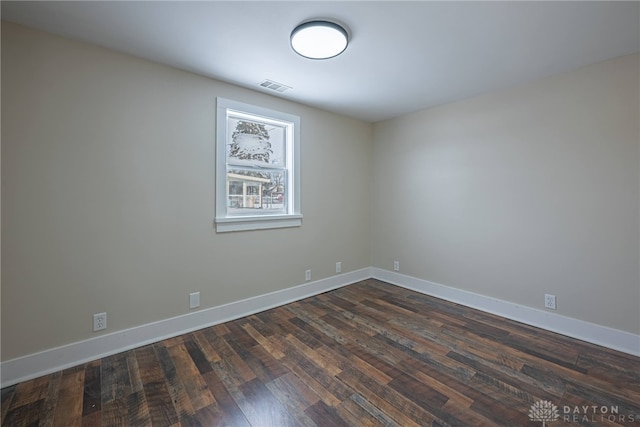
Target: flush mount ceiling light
(319, 39)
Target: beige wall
(515, 194)
(108, 194)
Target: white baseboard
(59, 358)
(596, 334)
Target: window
(257, 168)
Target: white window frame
(292, 217)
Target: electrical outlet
(396, 265)
(99, 321)
(339, 267)
(307, 275)
(550, 301)
(194, 300)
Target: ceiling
(403, 56)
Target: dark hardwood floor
(364, 355)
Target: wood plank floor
(368, 354)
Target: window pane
(255, 143)
(256, 192)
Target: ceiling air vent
(278, 87)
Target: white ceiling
(403, 56)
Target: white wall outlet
(550, 301)
(194, 300)
(396, 265)
(307, 275)
(339, 267)
(99, 321)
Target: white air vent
(278, 87)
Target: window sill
(246, 223)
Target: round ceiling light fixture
(319, 39)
